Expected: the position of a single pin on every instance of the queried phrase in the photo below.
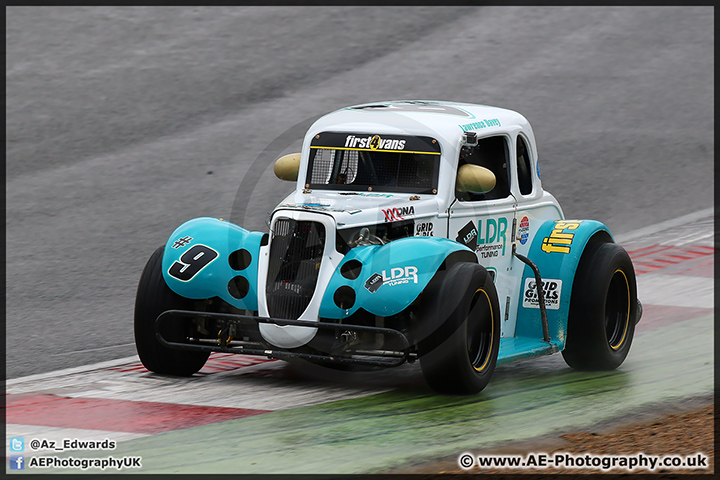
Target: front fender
(556, 250)
(207, 257)
(385, 279)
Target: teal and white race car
(418, 230)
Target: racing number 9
(192, 261)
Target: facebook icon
(17, 462)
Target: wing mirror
(287, 167)
(474, 179)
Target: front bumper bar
(232, 325)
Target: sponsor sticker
(374, 142)
(374, 282)
(365, 194)
(480, 124)
(560, 239)
(468, 235)
(317, 207)
(487, 239)
(424, 229)
(397, 213)
(397, 276)
(400, 276)
(524, 230)
(552, 290)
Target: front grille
(296, 250)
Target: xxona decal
(395, 214)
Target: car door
(484, 222)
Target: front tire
(153, 298)
(469, 338)
(603, 308)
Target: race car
(417, 231)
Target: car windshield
(371, 162)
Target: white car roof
(438, 119)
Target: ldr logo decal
(374, 282)
(468, 235)
(398, 276)
(493, 234)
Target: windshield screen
(369, 162)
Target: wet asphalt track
(116, 117)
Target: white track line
(69, 371)
(676, 290)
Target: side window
(491, 153)
(523, 166)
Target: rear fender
(385, 279)
(556, 250)
(207, 257)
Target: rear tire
(469, 338)
(603, 307)
(153, 298)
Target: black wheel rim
(617, 310)
(480, 331)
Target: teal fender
(207, 257)
(556, 250)
(385, 279)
